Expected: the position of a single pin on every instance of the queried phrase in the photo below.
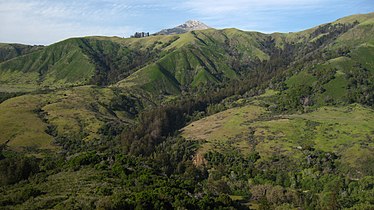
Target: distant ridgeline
(140, 35)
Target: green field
(21, 126)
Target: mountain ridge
(104, 66)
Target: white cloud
(47, 21)
(209, 7)
(34, 31)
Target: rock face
(191, 25)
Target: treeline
(314, 181)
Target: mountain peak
(190, 25)
(194, 25)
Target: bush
(84, 159)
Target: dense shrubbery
(313, 182)
(15, 169)
(150, 188)
(361, 86)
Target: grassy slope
(225, 130)
(200, 57)
(20, 124)
(77, 113)
(54, 66)
(80, 112)
(80, 61)
(330, 129)
(344, 130)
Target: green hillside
(79, 61)
(344, 72)
(65, 117)
(201, 57)
(344, 131)
(9, 51)
(54, 66)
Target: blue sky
(49, 21)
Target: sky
(49, 21)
